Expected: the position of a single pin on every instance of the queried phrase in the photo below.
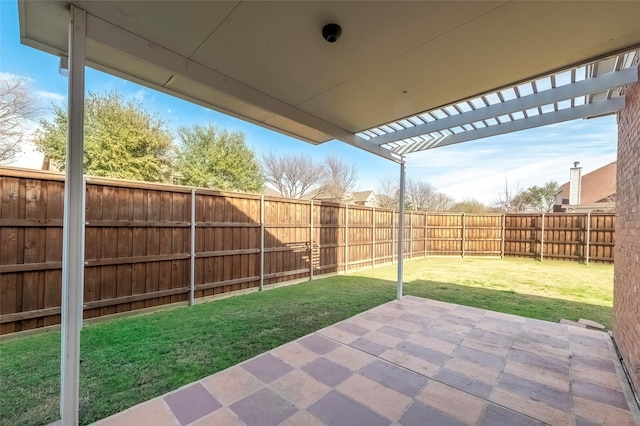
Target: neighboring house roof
(269, 192)
(321, 195)
(596, 186)
(362, 196)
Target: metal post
(400, 232)
(192, 279)
(311, 235)
(542, 240)
(588, 238)
(346, 237)
(261, 242)
(73, 229)
(504, 224)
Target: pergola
(402, 77)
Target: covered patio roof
(267, 62)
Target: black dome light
(331, 32)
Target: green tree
(542, 198)
(213, 158)
(121, 139)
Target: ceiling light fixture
(331, 32)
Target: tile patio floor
(412, 362)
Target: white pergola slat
(585, 91)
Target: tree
(388, 193)
(213, 158)
(294, 176)
(121, 139)
(425, 197)
(512, 202)
(543, 198)
(338, 178)
(17, 106)
(420, 193)
(469, 205)
(442, 202)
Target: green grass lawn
(129, 360)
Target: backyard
(129, 360)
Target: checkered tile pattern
(412, 362)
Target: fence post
(311, 235)
(192, 276)
(503, 236)
(393, 236)
(373, 237)
(588, 238)
(542, 240)
(426, 228)
(261, 242)
(346, 237)
(464, 231)
(410, 235)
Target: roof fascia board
(582, 111)
(108, 34)
(607, 81)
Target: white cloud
(53, 97)
(478, 169)
(5, 76)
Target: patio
(413, 361)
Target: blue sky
(475, 169)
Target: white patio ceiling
(266, 62)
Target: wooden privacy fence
(150, 244)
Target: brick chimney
(575, 184)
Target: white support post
(401, 232)
(192, 275)
(73, 227)
(261, 242)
